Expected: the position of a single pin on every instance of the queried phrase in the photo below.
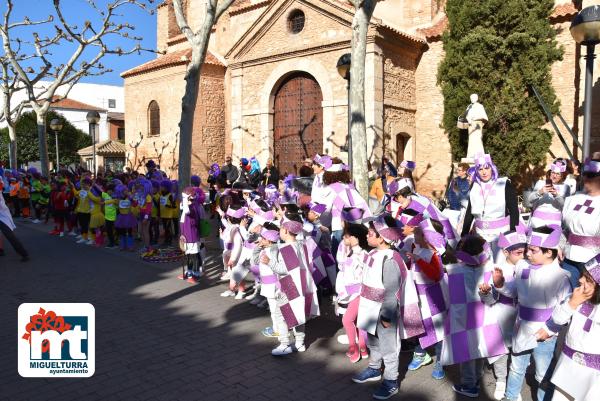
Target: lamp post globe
(343, 65)
(585, 29)
(93, 118)
(56, 126)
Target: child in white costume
(577, 372)
(233, 243)
(540, 285)
(513, 246)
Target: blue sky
(77, 12)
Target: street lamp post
(93, 118)
(585, 29)
(343, 68)
(56, 126)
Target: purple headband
(435, 239)
(512, 238)
(591, 166)
(549, 241)
(408, 164)
(238, 214)
(270, 235)
(593, 268)
(482, 159)
(318, 208)
(292, 226)
(352, 214)
(558, 167)
(477, 260)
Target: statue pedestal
(469, 160)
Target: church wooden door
(297, 122)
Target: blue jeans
(544, 368)
(336, 238)
(574, 270)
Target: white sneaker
(73, 234)
(343, 339)
(36, 221)
(239, 295)
(81, 241)
(79, 236)
(282, 350)
(500, 390)
(227, 293)
(90, 242)
(61, 234)
(300, 348)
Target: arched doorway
(297, 122)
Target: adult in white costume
(7, 226)
(493, 206)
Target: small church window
(153, 118)
(296, 21)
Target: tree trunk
(43, 143)
(358, 128)
(12, 147)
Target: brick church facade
(270, 87)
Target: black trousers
(14, 241)
(110, 232)
(84, 222)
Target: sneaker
(81, 240)
(73, 234)
(90, 242)
(387, 389)
(252, 296)
(299, 347)
(471, 392)
(264, 304)
(225, 277)
(438, 371)
(228, 293)
(239, 295)
(367, 375)
(61, 235)
(364, 353)
(499, 390)
(269, 332)
(353, 353)
(419, 361)
(36, 221)
(343, 339)
(281, 350)
(184, 276)
(255, 300)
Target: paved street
(159, 338)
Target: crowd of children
(500, 293)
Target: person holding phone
(553, 190)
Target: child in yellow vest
(83, 208)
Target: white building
(108, 100)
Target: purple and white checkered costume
(340, 196)
(581, 214)
(298, 286)
(471, 328)
(577, 372)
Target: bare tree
(10, 114)
(358, 128)
(89, 39)
(199, 43)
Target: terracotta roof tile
(242, 6)
(66, 103)
(104, 148)
(436, 30)
(564, 10)
(404, 34)
(180, 57)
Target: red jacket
(60, 200)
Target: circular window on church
(296, 21)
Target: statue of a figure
(476, 118)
